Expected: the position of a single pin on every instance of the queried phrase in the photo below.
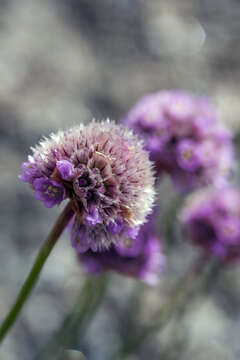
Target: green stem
(88, 300)
(32, 278)
(200, 274)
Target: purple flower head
(185, 138)
(211, 219)
(104, 170)
(137, 255)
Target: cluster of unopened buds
(104, 170)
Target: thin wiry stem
(87, 303)
(32, 278)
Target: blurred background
(65, 62)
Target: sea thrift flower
(140, 257)
(211, 219)
(184, 136)
(106, 173)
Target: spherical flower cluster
(141, 257)
(104, 170)
(211, 220)
(184, 137)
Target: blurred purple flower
(211, 218)
(184, 136)
(137, 256)
(104, 170)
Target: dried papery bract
(103, 168)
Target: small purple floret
(130, 244)
(93, 217)
(30, 172)
(180, 106)
(187, 155)
(229, 230)
(80, 240)
(115, 227)
(66, 169)
(49, 191)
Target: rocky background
(66, 61)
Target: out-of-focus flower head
(104, 170)
(184, 136)
(140, 257)
(211, 219)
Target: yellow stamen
(188, 154)
(127, 242)
(159, 132)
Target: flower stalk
(32, 278)
(88, 301)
